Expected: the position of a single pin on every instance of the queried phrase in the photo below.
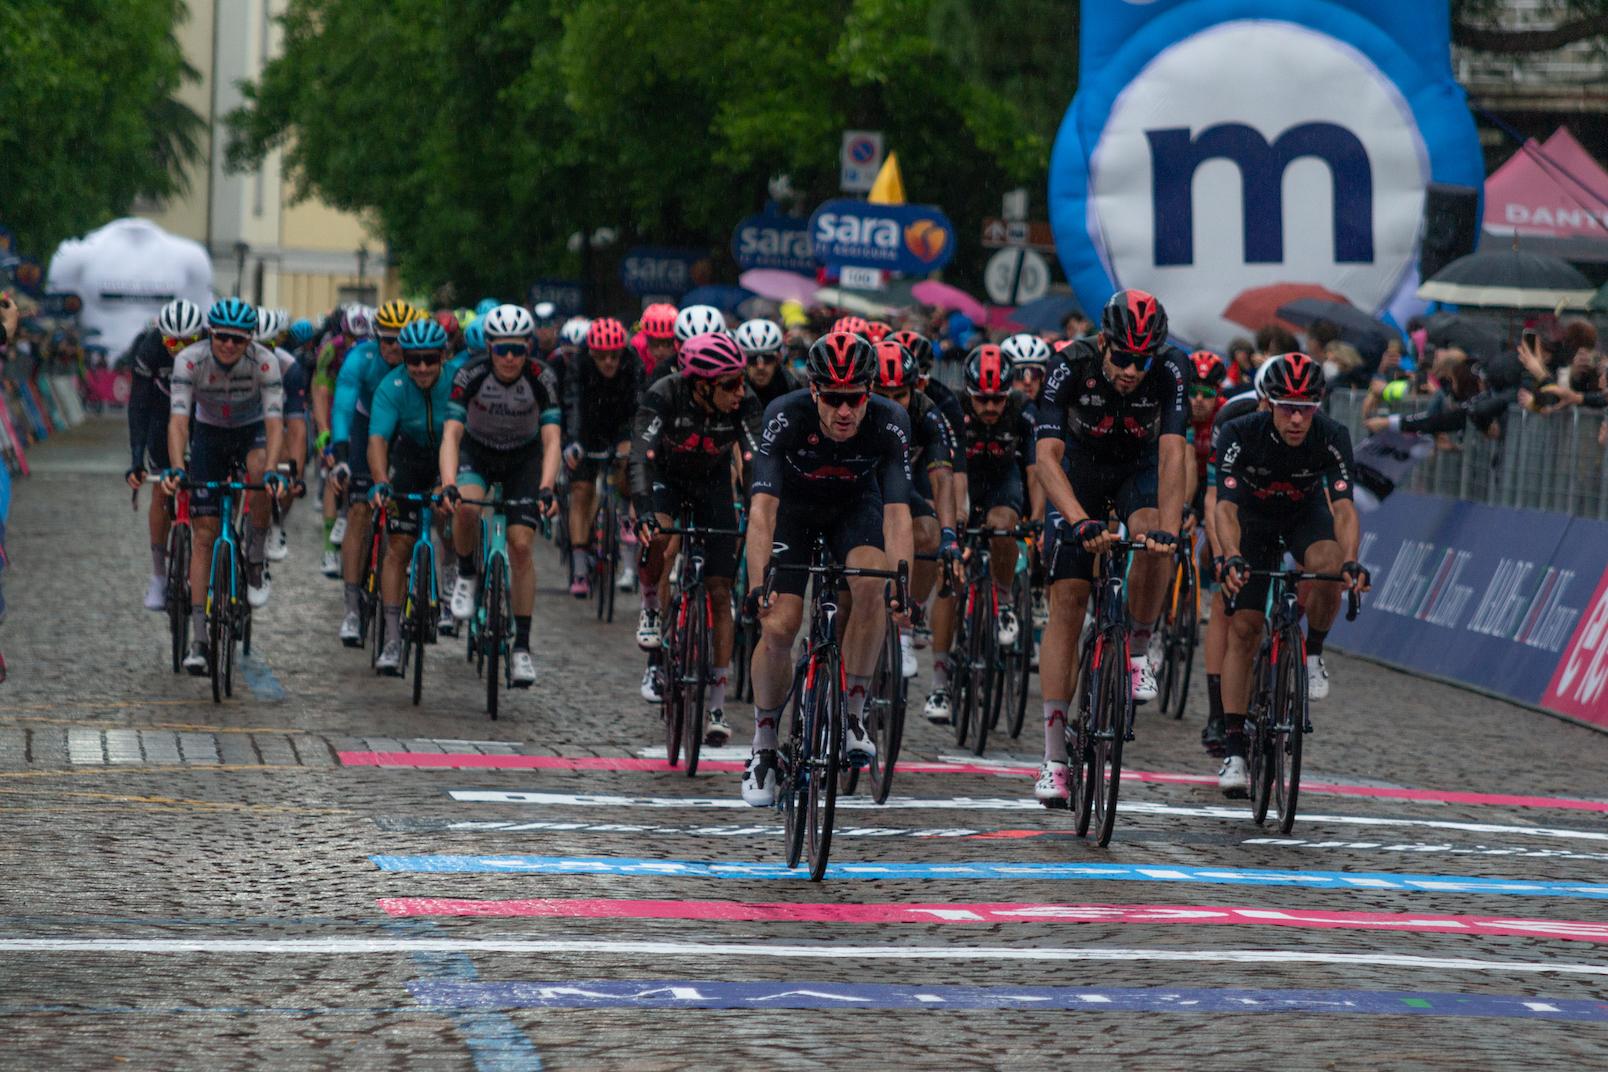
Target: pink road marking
(999, 912)
(473, 761)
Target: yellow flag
(889, 187)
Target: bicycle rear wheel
(885, 722)
(693, 678)
(669, 671)
(798, 770)
(178, 592)
(420, 615)
(1179, 640)
(495, 636)
(218, 617)
(1020, 660)
(1290, 708)
(826, 745)
(1259, 737)
(1105, 767)
(984, 653)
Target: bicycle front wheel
(1179, 641)
(798, 770)
(420, 613)
(984, 652)
(495, 637)
(826, 745)
(178, 592)
(885, 721)
(218, 616)
(1290, 709)
(1259, 737)
(1019, 661)
(1105, 755)
(692, 678)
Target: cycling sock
(256, 540)
(765, 719)
(577, 562)
(466, 566)
(650, 596)
(521, 632)
(940, 671)
(1234, 738)
(158, 560)
(1055, 731)
(393, 623)
(717, 687)
(1214, 695)
(198, 625)
(329, 527)
(1314, 640)
(353, 592)
(1141, 637)
(854, 698)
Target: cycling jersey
(1079, 404)
(227, 396)
(400, 409)
(796, 457)
(1232, 408)
(294, 380)
(1256, 468)
(503, 416)
(948, 404)
(1200, 437)
(997, 451)
(331, 356)
(674, 440)
(361, 373)
(598, 409)
(784, 382)
(148, 400)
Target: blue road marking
(261, 680)
(1372, 881)
(495, 1042)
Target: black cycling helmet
(840, 359)
(988, 370)
(919, 346)
(1293, 379)
(1134, 322)
(896, 367)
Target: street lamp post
(241, 248)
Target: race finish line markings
(526, 947)
(995, 912)
(515, 864)
(733, 803)
(476, 761)
(701, 994)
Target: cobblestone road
(318, 875)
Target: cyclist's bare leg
(772, 666)
(465, 522)
(157, 520)
(1217, 633)
(1002, 549)
(1322, 598)
(256, 534)
(398, 549)
(583, 507)
(719, 589)
(1244, 634)
(522, 566)
(1148, 574)
(867, 624)
(205, 530)
(355, 546)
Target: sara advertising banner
(772, 240)
(907, 239)
(1221, 146)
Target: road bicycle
(176, 582)
(1180, 628)
(421, 600)
(489, 637)
(370, 612)
(606, 534)
(228, 612)
(884, 718)
(688, 637)
(988, 678)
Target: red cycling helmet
(1293, 379)
(854, 325)
(876, 331)
(896, 366)
(1209, 368)
(1134, 322)
(1060, 344)
(709, 357)
(841, 359)
(918, 345)
(605, 333)
(659, 321)
(988, 370)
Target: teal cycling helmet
(232, 314)
(425, 334)
(302, 332)
(486, 305)
(474, 337)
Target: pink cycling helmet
(710, 357)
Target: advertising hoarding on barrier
(908, 239)
(1207, 135)
(564, 294)
(772, 240)
(659, 270)
(1514, 602)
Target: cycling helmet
(1026, 351)
(841, 359)
(988, 370)
(1293, 379)
(447, 319)
(302, 332)
(604, 334)
(896, 367)
(698, 320)
(423, 334)
(759, 337)
(474, 337)
(486, 305)
(710, 356)
(545, 314)
(1061, 344)
(918, 345)
(179, 319)
(1209, 368)
(269, 324)
(876, 331)
(395, 315)
(509, 321)
(574, 330)
(659, 321)
(1134, 322)
(854, 325)
(356, 322)
(1259, 380)
(232, 314)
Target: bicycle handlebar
(1353, 597)
(696, 531)
(900, 576)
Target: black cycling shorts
(1100, 487)
(361, 480)
(708, 505)
(413, 472)
(519, 471)
(216, 452)
(1265, 536)
(844, 525)
(998, 489)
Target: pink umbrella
(779, 286)
(943, 296)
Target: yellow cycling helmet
(395, 315)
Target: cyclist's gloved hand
(341, 473)
(379, 493)
(549, 502)
(1161, 539)
(321, 442)
(172, 477)
(1236, 571)
(134, 476)
(273, 481)
(647, 525)
(450, 495)
(572, 455)
(751, 604)
(1358, 575)
(1217, 568)
(948, 547)
(1087, 531)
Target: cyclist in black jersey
(761, 344)
(688, 433)
(1111, 423)
(1030, 357)
(932, 475)
(600, 398)
(833, 461)
(1283, 484)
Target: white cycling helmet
(510, 322)
(1026, 350)
(759, 337)
(179, 319)
(270, 322)
(699, 320)
(574, 330)
(357, 322)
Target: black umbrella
(1356, 327)
(1509, 279)
(1474, 338)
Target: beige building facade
(305, 257)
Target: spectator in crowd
(1077, 325)
(1241, 361)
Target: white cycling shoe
(351, 631)
(762, 778)
(156, 594)
(937, 710)
(627, 579)
(521, 669)
(858, 748)
(1317, 678)
(390, 661)
(257, 594)
(338, 532)
(1144, 679)
(907, 656)
(463, 598)
(647, 634)
(447, 625)
(331, 566)
(195, 661)
(278, 548)
(1054, 786)
(1233, 778)
(1007, 628)
(717, 731)
(650, 686)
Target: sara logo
(913, 239)
(1212, 151)
(771, 240)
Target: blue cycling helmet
(302, 331)
(232, 314)
(425, 334)
(474, 337)
(486, 305)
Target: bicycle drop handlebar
(833, 572)
(1353, 597)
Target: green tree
(91, 121)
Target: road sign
(1016, 276)
(1002, 234)
(861, 278)
(859, 160)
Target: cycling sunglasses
(729, 384)
(1203, 392)
(840, 399)
(229, 338)
(417, 358)
(989, 398)
(900, 395)
(509, 349)
(764, 359)
(386, 340)
(1124, 360)
(1291, 407)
